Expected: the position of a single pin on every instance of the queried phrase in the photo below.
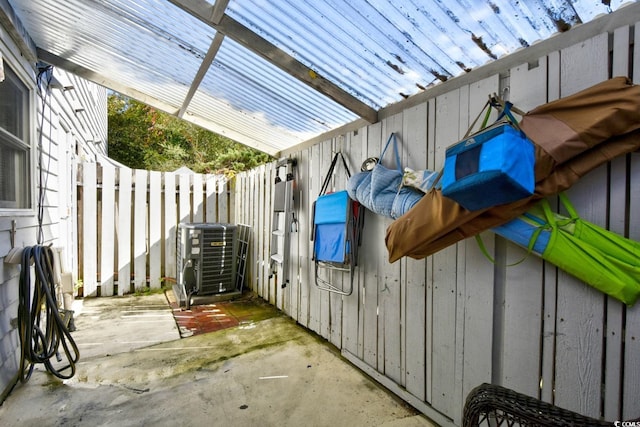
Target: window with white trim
(15, 149)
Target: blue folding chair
(337, 227)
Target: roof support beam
(267, 50)
(102, 80)
(16, 30)
(218, 11)
(202, 71)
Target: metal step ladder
(283, 221)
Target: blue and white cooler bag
(492, 167)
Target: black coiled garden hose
(41, 327)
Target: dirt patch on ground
(215, 316)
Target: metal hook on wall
(15, 254)
(13, 233)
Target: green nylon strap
(551, 218)
(539, 227)
(532, 242)
(486, 118)
(568, 206)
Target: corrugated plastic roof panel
(375, 53)
(139, 45)
(285, 110)
(384, 51)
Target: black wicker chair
(493, 405)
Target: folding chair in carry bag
(337, 226)
(600, 258)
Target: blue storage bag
(492, 167)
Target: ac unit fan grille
(218, 261)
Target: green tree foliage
(142, 137)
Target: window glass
(14, 146)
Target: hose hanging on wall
(45, 75)
(41, 327)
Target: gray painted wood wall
(431, 330)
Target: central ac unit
(206, 259)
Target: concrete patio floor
(136, 370)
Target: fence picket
(170, 225)
(198, 199)
(580, 308)
(223, 202)
(211, 211)
(304, 232)
(140, 215)
(107, 234)
(413, 294)
(631, 379)
(124, 231)
(155, 231)
(184, 198)
(619, 193)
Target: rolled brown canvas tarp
(572, 136)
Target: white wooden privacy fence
(128, 220)
(431, 330)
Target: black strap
(327, 179)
